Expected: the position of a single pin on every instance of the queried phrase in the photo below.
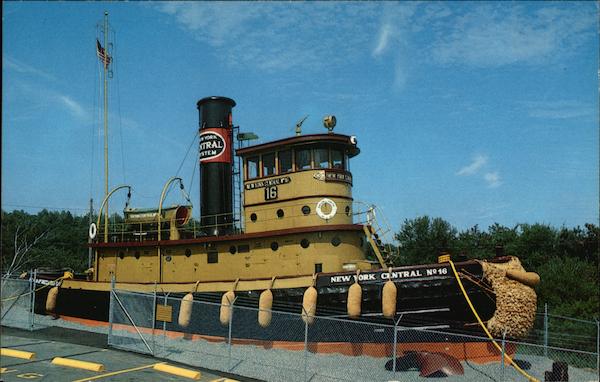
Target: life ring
(331, 204)
(93, 231)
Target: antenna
(299, 125)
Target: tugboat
(279, 230)
(299, 239)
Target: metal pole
(33, 300)
(154, 321)
(305, 350)
(229, 334)
(105, 65)
(598, 346)
(503, 352)
(545, 330)
(165, 323)
(395, 346)
(111, 307)
(31, 289)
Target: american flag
(102, 54)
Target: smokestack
(216, 158)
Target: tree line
(565, 258)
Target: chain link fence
(329, 349)
(17, 303)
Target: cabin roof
(340, 139)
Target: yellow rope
(462, 288)
(36, 290)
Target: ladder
(236, 176)
(377, 232)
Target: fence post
(229, 335)
(598, 345)
(165, 323)
(33, 300)
(154, 321)
(503, 352)
(545, 330)
(305, 350)
(30, 295)
(395, 346)
(111, 307)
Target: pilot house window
(337, 159)
(285, 161)
(302, 159)
(268, 164)
(252, 167)
(321, 158)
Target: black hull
(423, 302)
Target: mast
(106, 63)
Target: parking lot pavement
(82, 346)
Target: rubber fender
(185, 310)
(51, 300)
(388, 299)
(354, 300)
(309, 305)
(265, 304)
(226, 309)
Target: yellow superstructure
(297, 215)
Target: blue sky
(474, 112)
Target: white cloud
(478, 162)
(277, 35)
(23, 68)
(497, 35)
(41, 98)
(563, 109)
(383, 40)
(492, 179)
(73, 106)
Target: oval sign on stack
(214, 145)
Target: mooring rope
(464, 292)
(35, 290)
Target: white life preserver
(93, 231)
(331, 204)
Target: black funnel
(216, 158)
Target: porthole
(318, 268)
(274, 246)
(168, 258)
(304, 243)
(137, 255)
(232, 250)
(253, 217)
(305, 210)
(188, 252)
(121, 255)
(280, 213)
(335, 241)
(347, 209)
